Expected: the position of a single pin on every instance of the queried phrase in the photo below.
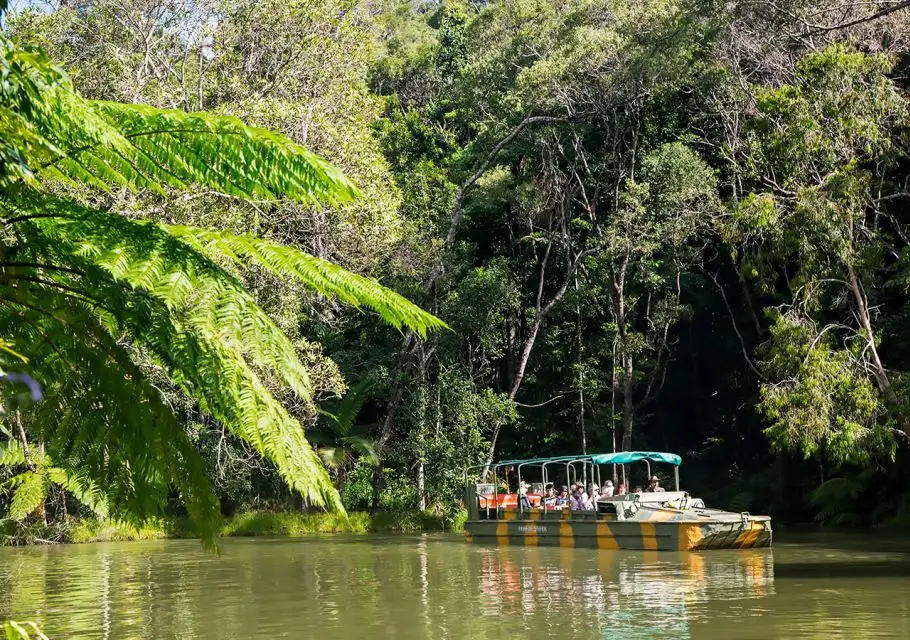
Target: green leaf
(321, 276)
(28, 489)
(22, 631)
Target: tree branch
(742, 342)
(853, 23)
(482, 168)
(540, 404)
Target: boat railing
(578, 468)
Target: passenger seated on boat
(607, 490)
(523, 496)
(563, 498)
(621, 489)
(549, 500)
(593, 495)
(579, 499)
(654, 485)
(638, 490)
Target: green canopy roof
(620, 457)
(625, 457)
(540, 460)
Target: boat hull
(746, 533)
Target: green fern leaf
(12, 454)
(81, 487)
(29, 489)
(319, 275)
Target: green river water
(437, 586)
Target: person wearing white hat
(654, 485)
(523, 493)
(607, 490)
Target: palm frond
(352, 403)
(362, 446)
(332, 457)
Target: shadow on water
(840, 569)
(344, 539)
(812, 552)
(844, 539)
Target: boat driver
(654, 485)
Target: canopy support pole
(495, 496)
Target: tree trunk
(388, 424)
(421, 487)
(542, 311)
(628, 406)
(25, 451)
(490, 454)
(422, 409)
(581, 376)
(878, 369)
(40, 512)
(581, 413)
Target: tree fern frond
(101, 417)
(28, 489)
(81, 486)
(80, 289)
(202, 296)
(181, 149)
(52, 129)
(320, 275)
(189, 329)
(12, 454)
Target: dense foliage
(90, 298)
(662, 224)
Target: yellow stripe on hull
(605, 537)
(648, 536)
(502, 533)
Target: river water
(437, 586)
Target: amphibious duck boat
(664, 520)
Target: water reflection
(623, 594)
(438, 587)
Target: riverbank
(279, 524)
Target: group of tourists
(576, 498)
